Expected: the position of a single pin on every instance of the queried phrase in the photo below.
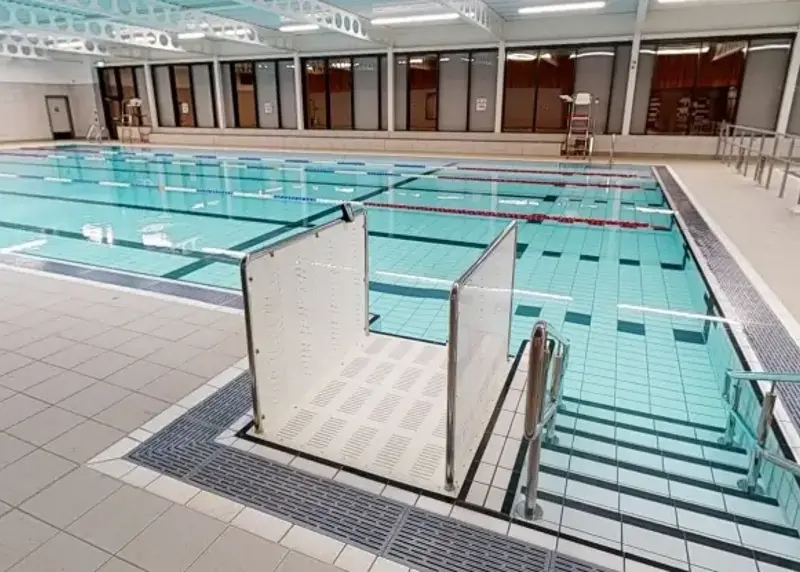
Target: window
(185, 95)
(454, 80)
(316, 89)
(555, 77)
(594, 73)
(694, 86)
(401, 93)
(423, 92)
(520, 90)
(619, 85)
(340, 93)
(286, 93)
(244, 94)
(117, 86)
(182, 82)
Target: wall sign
(480, 104)
(184, 108)
(268, 107)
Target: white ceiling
(126, 29)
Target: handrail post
(720, 137)
(534, 409)
(732, 146)
(772, 160)
(759, 161)
(750, 483)
(452, 360)
(749, 152)
(556, 389)
(611, 154)
(786, 169)
(733, 402)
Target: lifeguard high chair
(579, 141)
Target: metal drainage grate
(186, 450)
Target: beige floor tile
(296, 562)
(29, 375)
(20, 535)
(103, 527)
(12, 449)
(173, 386)
(94, 399)
(131, 412)
(30, 474)
(60, 386)
(64, 553)
(45, 426)
(174, 541)
(71, 497)
(105, 364)
(137, 375)
(239, 551)
(84, 441)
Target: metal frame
(271, 250)
(736, 144)
(452, 345)
(549, 354)
(758, 454)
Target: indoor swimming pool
(599, 255)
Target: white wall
(24, 85)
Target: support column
(790, 86)
(298, 93)
(390, 89)
(630, 88)
(220, 110)
(151, 94)
(500, 87)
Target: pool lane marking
(57, 180)
(177, 189)
(676, 313)
(113, 184)
(9, 175)
(23, 246)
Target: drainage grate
(186, 450)
(430, 542)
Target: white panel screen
(641, 96)
(482, 91)
(453, 89)
(400, 93)
(286, 93)
(483, 307)
(618, 86)
(366, 97)
(267, 89)
(227, 94)
(163, 89)
(306, 305)
(142, 94)
(762, 85)
(593, 74)
(203, 96)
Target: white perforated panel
(484, 314)
(306, 304)
(382, 410)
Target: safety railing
(548, 357)
(481, 309)
(611, 150)
(767, 151)
(732, 394)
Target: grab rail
(737, 144)
(452, 347)
(549, 354)
(731, 397)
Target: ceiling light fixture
(521, 57)
(418, 19)
(299, 28)
(191, 35)
(553, 8)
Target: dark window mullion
(175, 105)
(469, 87)
(535, 89)
(276, 71)
(437, 56)
(352, 94)
(234, 94)
(326, 71)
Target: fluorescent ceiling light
(521, 57)
(769, 47)
(591, 54)
(414, 19)
(571, 7)
(191, 35)
(298, 28)
(676, 51)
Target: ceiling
(171, 30)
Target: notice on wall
(184, 107)
(480, 104)
(268, 107)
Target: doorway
(60, 116)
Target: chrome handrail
(452, 346)
(731, 397)
(549, 353)
(737, 144)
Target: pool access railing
(732, 395)
(548, 358)
(767, 151)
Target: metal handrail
(738, 144)
(452, 346)
(731, 397)
(611, 152)
(549, 354)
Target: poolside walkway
(757, 227)
(81, 367)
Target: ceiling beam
(479, 14)
(175, 19)
(46, 21)
(320, 13)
